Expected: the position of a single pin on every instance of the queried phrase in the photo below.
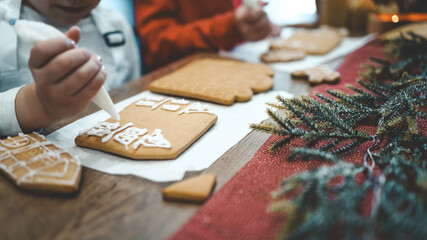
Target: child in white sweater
(55, 79)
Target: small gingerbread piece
(316, 75)
(195, 189)
(282, 55)
(34, 163)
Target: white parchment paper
(251, 52)
(232, 125)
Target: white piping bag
(34, 32)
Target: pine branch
(393, 99)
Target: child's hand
(66, 78)
(253, 23)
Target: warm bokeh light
(395, 18)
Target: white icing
(145, 103)
(103, 100)
(48, 159)
(154, 98)
(156, 139)
(170, 107)
(112, 133)
(196, 108)
(150, 102)
(129, 135)
(15, 143)
(102, 129)
(160, 103)
(180, 101)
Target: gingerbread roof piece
(34, 163)
(195, 189)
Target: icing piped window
(129, 135)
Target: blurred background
(358, 16)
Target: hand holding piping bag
(253, 22)
(34, 32)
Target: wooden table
(119, 207)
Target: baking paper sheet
(251, 52)
(232, 125)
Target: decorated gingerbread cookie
(216, 80)
(316, 75)
(154, 127)
(34, 163)
(312, 41)
(282, 55)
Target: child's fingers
(81, 76)
(262, 3)
(74, 34)
(254, 15)
(61, 66)
(43, 52)
(275, 30)
(262, 27)
(92, 87)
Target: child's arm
(66, 78)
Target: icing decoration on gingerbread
(160, 103)
(171, 107)
(13, 143)
(156, 102)
(112, 133)
(196, 108)
(156, 139)
(180, 101)
(102, 129)
(129, 135)
(154, 98)
(48, 157)
(145, 103)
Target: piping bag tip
(103, 100)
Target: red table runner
(240, 209)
